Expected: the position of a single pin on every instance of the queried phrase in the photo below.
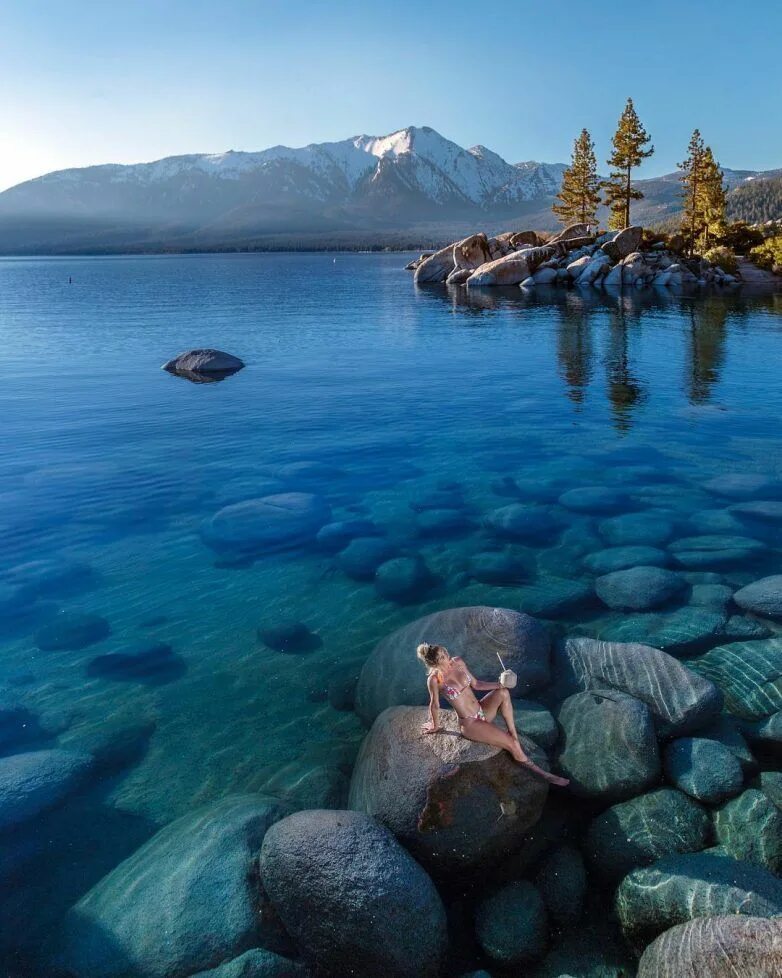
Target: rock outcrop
(454, 803)
(187, 900)
(351, 897)
(393, 676)
(716, 947)
(680, 700)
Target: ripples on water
(108, 463)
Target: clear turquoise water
(107, 460)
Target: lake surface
(408, 402)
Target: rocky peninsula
(578, 255)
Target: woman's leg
(485, 732)
(498, 700)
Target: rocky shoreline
(662, 858)
(577, 255)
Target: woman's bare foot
(554, 779)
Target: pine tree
(703, 191)
(629, 144)
(714, 199)
(579, 196)
(692, 188)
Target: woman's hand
(431, 728)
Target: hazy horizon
(91, 84)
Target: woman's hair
(428, 654)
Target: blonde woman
(448, 676)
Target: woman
(451, 678)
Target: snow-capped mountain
(411, 176)
(411, 186)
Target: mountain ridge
(364, 185)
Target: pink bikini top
(453, 692)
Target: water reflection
(604, 328)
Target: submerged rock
(639, 831)
(622, 558)
(750, 828)
(258, 963)
(704, 769)
(748, 675)
(679, 888)
(684, 631)
(346, 891)
(362, 557)
(562, 883)
(680, 700)
(743, 485)
(187, 900)
(733, 946)
(443, 796)
(289, 636)
(535, 722)
(32, 782)
(51, 577)
(71, 631)
(334, 537)
(392, 675)
(527, 523)
(403, 579)
(593, 499)
(714, 550)
(763, 597)
(511, 925)
(499, 568)
(608, 746)
(149, 663)
(637, 529)
(258, 526)
(639, 588)
(555, 597)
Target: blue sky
(94, 82)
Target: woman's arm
(479, 684)
(434, 705)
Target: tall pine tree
(579, 196)
(703, 193)
(692, 189)
(629, 142)
(715, 199)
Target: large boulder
(593, 499)
(621, 558)
(748, 675)
(639, 831)
(204, 362)
(351, 897)
(258, 963)
(763, 597)
(679, 888)
(34, 781)
(511, 925)
(555, 597)
(639, 588)
(679, 699)
(704, 769)
(437, 267)
(571, 233)
(683, 631)
(392, 675)
(750, 828)
(625, 243)
(187, 900)
(258, 526)
(472, 252)
(511, 269)
(454, 803)
(608, 747)
(716, 947)
(744, 485)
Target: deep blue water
(106, 460)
